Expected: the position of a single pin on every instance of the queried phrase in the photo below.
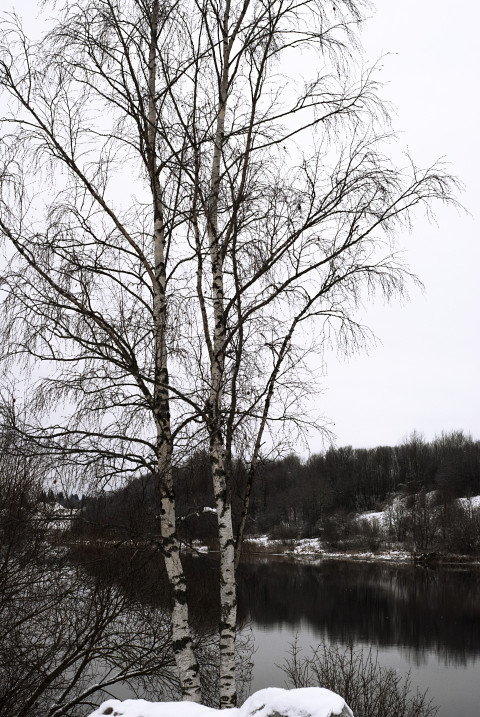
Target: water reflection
(416, 608)
(141, 574)
(420, 619)
(69, 639)
(419, 609)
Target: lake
(426, 620)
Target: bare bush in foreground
(370, 689)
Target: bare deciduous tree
(66, 641)
(293, 216)
(66, 638)
(94, 275)
(196, 197)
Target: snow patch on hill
(383, 517)
(470, 503)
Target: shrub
(284, 531)
(369, 534)
(463, 532)
(370, 689)
(339, 529)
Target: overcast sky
(424, 375)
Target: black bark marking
(181, 644)
(180, 596)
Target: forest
(320, 497)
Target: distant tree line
(358, 479)
(316, 498)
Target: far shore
(298, 550)
(311, 549)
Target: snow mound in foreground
(304, 702)
(271, 702)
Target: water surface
(420, 619)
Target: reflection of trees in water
(140, 575)
(67, 638)
(418, 657)
(419, 609)
(416, 608)
(79, 627)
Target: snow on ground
(379, 517)
(308, 547)
(305, 546)
(473, 503)
(55, 517)
(394, 556)
(382, 517)
(312, 547)
(261, 540)
(199, 547)
(304, 702)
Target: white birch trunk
(228, 599)
(222, 492)
(228, 590)
(181, 638)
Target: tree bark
(221, 481)
(181, 638)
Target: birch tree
(85, 284)
(294, 213)
(196, 196)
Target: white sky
(425, 373)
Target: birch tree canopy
(194, 197)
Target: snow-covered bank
(313, 548)
(418, 527)
(273, 701)
(384, 518)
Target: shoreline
(310, 549)
(305, 550)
